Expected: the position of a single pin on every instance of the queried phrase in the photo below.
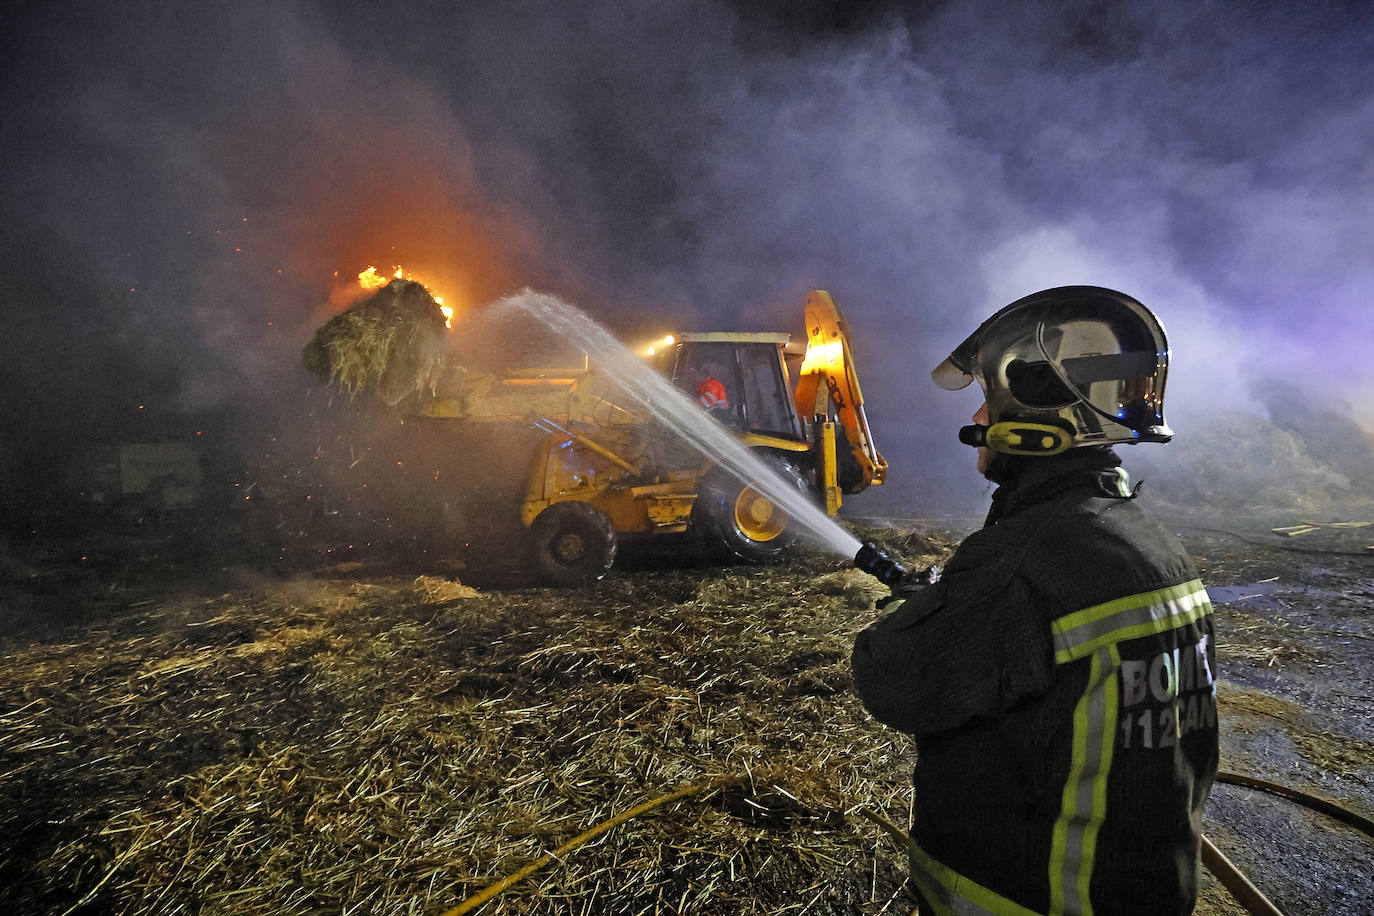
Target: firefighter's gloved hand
(928, 576)
(911, 583)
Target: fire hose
(585, 836)
(1234, 880)
(1213, 859)
(871, 559)
(1231, 877)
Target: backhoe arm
(565, 396)
(828, 383)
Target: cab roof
(776, 338)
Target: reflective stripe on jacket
(711, 394)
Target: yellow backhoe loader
(606, 472)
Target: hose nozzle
(873, 561)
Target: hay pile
(392, 745)
(395, 745)
(391, 344)
(1240, 466)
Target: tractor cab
(740, 379)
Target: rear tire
(572, 544)
(738, 523)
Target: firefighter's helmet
(1062, 368)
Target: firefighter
(1059, 677)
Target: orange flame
(447, 310)
(370, 279)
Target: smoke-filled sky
(182, 181)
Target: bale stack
(391, 344)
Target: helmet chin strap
(974, 435)
(1020, 437)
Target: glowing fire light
(370, 279)
(828, 355)
(665, 342)
(447, 310)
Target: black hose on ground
(1315, 802)
(1231, 878)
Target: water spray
(658, 397)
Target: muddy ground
(188, 728)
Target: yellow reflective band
(952, 894)
(1107, 737)
(1142, 599)
(1079, 634)
(1134, 632)
(1073, 848)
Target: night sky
(187, 186)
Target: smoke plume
(190, 188)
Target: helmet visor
(1108, 359)
(959, 368)
(949, 376)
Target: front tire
(739, 523)
(572, 544)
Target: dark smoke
(183, 182)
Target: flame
(447, 310)
(370, 279)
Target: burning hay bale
(391, 344)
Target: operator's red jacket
(711, 394)
(1059, 682)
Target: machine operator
(709, 391)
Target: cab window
(767, 402)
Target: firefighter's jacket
(1059, 682)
